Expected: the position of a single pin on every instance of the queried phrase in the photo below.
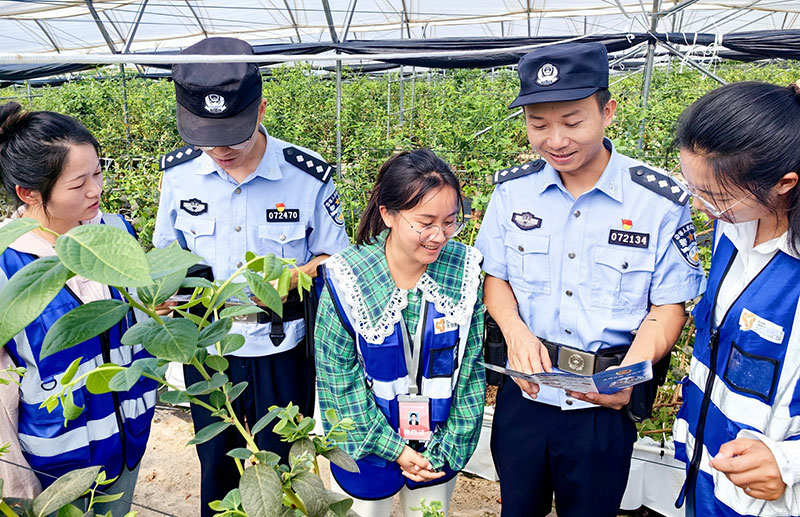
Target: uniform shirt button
(239, 264)
(568, 293)
(237, 228)
(571, 255)
(568, 331)
(520, 248)
(194, 232)
(624, 265)
(576, 213)
(238, 190)
(569, 402)
(282, 237)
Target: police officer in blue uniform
(590, 256)
(234, 189)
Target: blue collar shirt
(278, 209)
(576, 282)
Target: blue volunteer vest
(113, 428)
(748, 365)
(385, 367)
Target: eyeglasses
(711, 207)
(235, 147)
(431, 231)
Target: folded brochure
(607, 382)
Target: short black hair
(602, 96)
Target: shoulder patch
(184, 154)
(517, 171)
(659, 183)
(320, 169)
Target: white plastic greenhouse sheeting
(68, 25)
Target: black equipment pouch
(310, 304)
(197, 271)
(494, 350)
(643, 395)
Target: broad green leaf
(261, 491)
(240, 453)
(28, 292)
(214, 332)
(217, 362)
(105, 254)
(125, 380)
(208, 432)
(341, 459)
(197, 320)
(196, 281)
(339, 504)
(65, 489)
(165, 261)
(82, 323)
(232, 343)
(235, 391)
(232, 290)
(70, 511)
(206, 387)
(283, 282)
(331, 416)
(304, 283)
(97, 381)
(175, 340)
(69, 409)
(174, 397)
(163, 287)
(239, 310)
(306, 425)
(107, 498)
(272, 267)
(14, 230)
(265, 292)
(217, 399)
(70, 372)
(267, 458)
(265, 420)
(303, 446)
(310, 489)
(256, 265)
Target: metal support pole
(196, 18)
(339, 119)
(125, 119)
(648, 69)
(101, 27)
(30, 95)
(294, 22)
(134, 28)
(529, 18)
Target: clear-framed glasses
(711, 207)
(431, 231)
(235, 147)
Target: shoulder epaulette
(517, 171)
(659, 183)
(184, 154)
(320, 169)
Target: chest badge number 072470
(630, 239)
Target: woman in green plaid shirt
(398, 338)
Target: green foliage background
(443, 110)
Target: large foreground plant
(111, 256)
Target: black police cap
(217, 102)
(563, 72)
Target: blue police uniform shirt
(278, 209)
(585, 271)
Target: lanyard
(414, 357)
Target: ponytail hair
(749, 135)
(34, 148)
(402, 182)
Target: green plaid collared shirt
(340, 377)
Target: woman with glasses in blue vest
(50, 170)
(738, 429)
(398, 336)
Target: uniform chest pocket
(528, 261)
(385, 362)
(621, 278)
(284, 240)
(198, 233)
(751, 374)
(442, 358)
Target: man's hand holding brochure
(606, 382)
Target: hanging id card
(414, 414)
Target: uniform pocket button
(237, 228)
(624, 265)
(282, 238)
(568, 293)
(571, 255)
(520, 248)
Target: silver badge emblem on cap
(547, 75)
(215, 103)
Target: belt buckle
(575, 361)
(242, 318)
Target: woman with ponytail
(738, 429)
(51, 172)
(398, 337)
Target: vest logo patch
(749, 321)
(441, 325)
(685, 242)
(194, 206)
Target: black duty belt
(581, 362)
(292, 310)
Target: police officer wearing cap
(234, 189)
(590, 256)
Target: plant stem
(132, 301)
(7, 511)
(296, 502)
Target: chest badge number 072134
(630, 239)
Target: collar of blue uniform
(364, 281)
(610, 182)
